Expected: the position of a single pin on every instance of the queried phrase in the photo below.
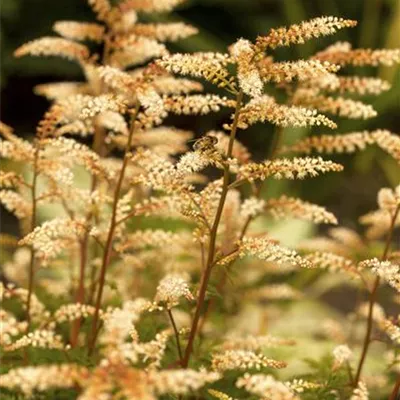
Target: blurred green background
(221, 22)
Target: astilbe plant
(98, 305)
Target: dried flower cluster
(106, 302)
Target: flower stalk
(110, 236)
(213, 238)
(33, 224)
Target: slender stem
(350, 372)
(213, 239)
(110, 237)
(80, 293)
(276, 142)
(98, 147)
(396, 390)
(372, 299)
(178, 342)
(92, 286)
(33, 224)
(203, 258)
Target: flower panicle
(298, 34)
(51, 46)
(265, 109)
(289, 206)
(342, 54)
(79, 31)
(243, 360)
(296, 168)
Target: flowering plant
(99, 304)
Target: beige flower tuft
(242, 360)
(171, 289)
(79, 30)
(50, 46)
(295, 34)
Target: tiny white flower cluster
(181, 381)
(387, 270)
(170, 289)
(333, 262)
(153, 104)
(220, 395)
(15, 203)
(162, 175)
(37, 309)
(119, 322)
(72, 152)
(307, 71)
(154, 350)
(79, 30)
(389, 199)
(71, 312)
(52, 46)
(360, 392)
(316, 27)
(201, 104)
(341, 354)
(267, 250)
(208, 65)
(10, 327)
(43, 377)
(40, 338)
(242, 360)
(168, 32)
(285, 206)
(362, 85)
(340, 106)
(266, 386)
(266, 109)
(243, 53)
(391, 329)
(192, 162)
(388, 142)
(47, 239)
(300, 385)
(296, 168)
(254, 343)
(251, 207)
(149, 6)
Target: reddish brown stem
(108, 247)
(176, 332)
(80, 293)
(257, 192)
(372, 299)
(396, 390)
(213, 238)
(33, 224)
